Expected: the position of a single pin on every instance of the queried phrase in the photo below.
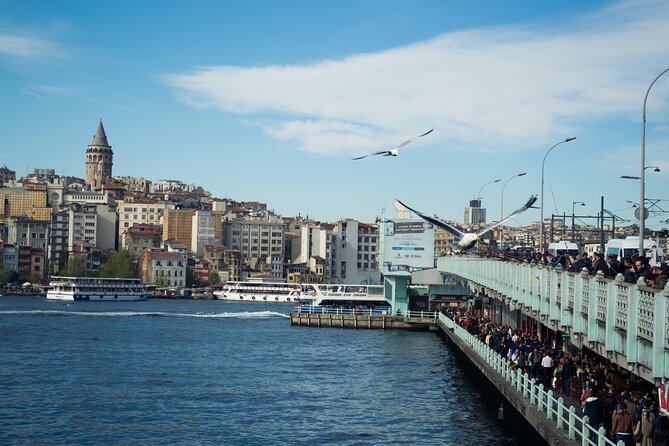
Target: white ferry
(318, 294)
(260, 292)
(95, 289)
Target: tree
(214, 278)
(121, 264)
(75, 266)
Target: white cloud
(501, 88)
(28, 47)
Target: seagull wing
(443, 225)
(527, 205)
(415, 137)
(383, 152)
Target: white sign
(408, 244)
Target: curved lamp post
(479, 199)
(642, 194)
(542, 236)
(501, 207)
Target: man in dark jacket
(599, 264)
(615, 267)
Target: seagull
(468, 240)
(395, 150)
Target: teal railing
(377, 311)
(566, 418)
(627, 323)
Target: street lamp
(630, 177)
(541, 222)
(642, 194)
(573, 210)
(489, 182)
(501, 207)
(478, 219)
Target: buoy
(500, 413)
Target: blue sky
(269, 101)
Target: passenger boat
(95, 289)
(260, 292)
(321, 294)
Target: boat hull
(116, 297)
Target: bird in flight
(466, 241)
(395, 150)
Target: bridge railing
(377, 311)
(628, 323)
(566, 418)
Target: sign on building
(408, 244)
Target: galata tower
(99, 159)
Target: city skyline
(268, 102)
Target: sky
(269, 101)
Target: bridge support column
(396, 291)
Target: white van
(629, 246)
(559, 248)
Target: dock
(368, 319)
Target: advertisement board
(408, 244)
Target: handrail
(377, 311)
(565, 417)
(616, 319)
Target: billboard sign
(408, 244)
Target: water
(213, 373)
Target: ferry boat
(95, 289)
(321, 294)
(260, 292)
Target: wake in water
(239, 315)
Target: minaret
(99, 159)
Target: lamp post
(501, 207)
(541, 222)
(478, 197)
(642, 193)
(631, 177)
(573, 210)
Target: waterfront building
(139, 211)
(29, 201)
(313, 245)
(24, 231)
(59, 240)
(10, 257)
(178, 224)
(260, 243)
(203, 231)
(162, 268)
(6, 175)
(356, 259)
(137, 238)
(99, 159)
(99, 218)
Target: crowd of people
(626, 408)
(632, 268)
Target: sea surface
(189, 372)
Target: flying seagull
(395, 150)
(468, 240)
